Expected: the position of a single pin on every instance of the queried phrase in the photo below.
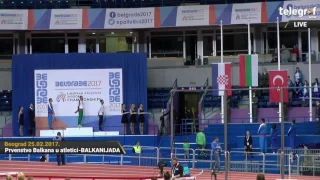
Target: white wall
(5, 80)
(164, 77)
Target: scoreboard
(191, 88)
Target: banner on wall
(178, 16)
(132, 18)
(245, 13)
(300, 10)
(65, 87)
(193, 15)
(66, 19)
(14, 20)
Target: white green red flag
(248, 70)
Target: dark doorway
(187, 113)
(191, 50)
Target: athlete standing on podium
(80, 111)
(101, 114)
(50, 113)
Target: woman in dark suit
(124, 119)
(32, 123)
(141, 118)
(248, 144)
(133, 118)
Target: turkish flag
(278, 79)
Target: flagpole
(278, 49)
(281, 119)
(222, 98)
(250, 90)
(310, 88)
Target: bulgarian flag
(248, 70)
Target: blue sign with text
(41, 91)
(115, 87)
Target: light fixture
(93, 33)
(112, 32)
(130, 32)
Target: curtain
(134, 69)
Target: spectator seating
(158, 97)
(234, 100)
(5, 100)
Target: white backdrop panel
(65, 87)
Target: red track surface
(119, 172)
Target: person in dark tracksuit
(274, 138)
(292, 134)
(60, 156)
(292, 137)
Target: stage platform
(77, 132)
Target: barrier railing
(150, 156)
(239, 161)
(256, 164)
(8, 119)
(309, 164)
(3, 176)
(268, 119)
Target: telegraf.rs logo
(41, 86)
(292, 10)
(115, 89)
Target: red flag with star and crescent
(278, 79)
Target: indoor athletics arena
(159, 90)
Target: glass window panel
(28, 46)
(6, 35)
(102, 45)
(265, 43)
(118, 44)
(16, 46)
(319, 40)
(73, 35)
(170, 46)
(73, 45)
(234, 44)
(148, 42)
(47, 45)
(191, 49)
(117, 34)
(91, 35)
(288, 39)
(281, 28)
(207, 45)
(91, 45)
(191, 32)
(6, 47)
(304, 42)
(167, 33)
(47, 35)
(244, 30)
(207, 31)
